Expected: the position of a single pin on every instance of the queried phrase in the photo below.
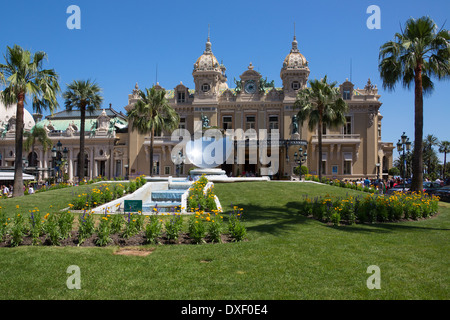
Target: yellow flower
(17, 206)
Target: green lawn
(287, 256)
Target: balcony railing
(337, 136)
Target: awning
(348, 156)
(9, 176)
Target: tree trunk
(445, 162)
(417, 179)
(18, 165)
(33, 158)
(319, 131)
(151, 151)
(81, 159)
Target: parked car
(431, 187)
(443, 193)
(428, 187)
(398, 188)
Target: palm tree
(83, 95)
(37, 134)
(321, 104)
(151, 114)
(444, 147)
(414, 56)
(24, 76)
(429, 154)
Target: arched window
(86, 164)
(32, 159)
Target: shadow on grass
(272, 219)
(382, 227)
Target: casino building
(114, 149)
(353, 151)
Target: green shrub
(173, 227)
(65, 224)
(52, 229)
(235, 226)
(117, 222)
(18, 230)
(335, 218)
(86, 227)
(197, 229)
(104, 232)
(153, 229)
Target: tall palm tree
(444, 147)
(37, 134)
(419, 52)
(151, 114)
(24, 76)
(321, 104)
(429, 154)
(82, 95)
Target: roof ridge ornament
(208, 44)
(294, 43)
(136, 90)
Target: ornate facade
(114, 149)
(105, 148)
(353, 151)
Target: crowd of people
(385, 184)
(7, 191)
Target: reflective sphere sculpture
(209, 152)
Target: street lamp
(403, 146)
(178, 160)
(378, 170)
(300, 158)
(65, 153)
(57, 157)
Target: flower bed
(105, 193)
(198, 199)
(342, 184)
(129, 229)
(371, 208)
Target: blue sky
(124, 42)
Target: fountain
(169, 195)
(207, 154)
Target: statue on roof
(238, 85)
(205, 121)
(294, 124)
(263, 84)
(135, 91)
(369, 86)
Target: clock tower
(209, 77)
(250, 80)
(294, 73)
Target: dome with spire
(207, 61)
(294, 60)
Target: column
(111, 163)
(40, 163)
(96, 168)
(45, 165)
(91, 166)
(70, 165)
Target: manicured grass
(287, 256)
